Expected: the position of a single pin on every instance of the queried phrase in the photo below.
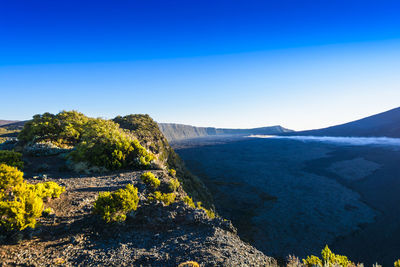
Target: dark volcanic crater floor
(291, 197)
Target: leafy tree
(63, 129)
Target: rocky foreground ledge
(156, 235)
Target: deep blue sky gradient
(227, 55)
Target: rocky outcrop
(146, 130)
(155, 235)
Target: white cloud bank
(354, 141)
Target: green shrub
(397, 263)
(189, 201)
(328, 259)
(113, 206)
(198, 205)
(150, 180)
(189, 264)
(9, 177)
(48, 190)
(11, 158)
(172, 172)
(47, 212)
(173, 184)
(63, 129)
(312, 261)
(20, 211)
(166, 198)
(104, 144)
(20, 202)
(209, 212)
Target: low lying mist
(354, 141)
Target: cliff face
(146, 130)
(173, 131)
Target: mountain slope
(12, 125)
(4, 122)
(173, 131)
(383, 124)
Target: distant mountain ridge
(385, 124)
(5, 122)
(12, 125)
(174, 131)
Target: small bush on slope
(11, 158)
(48, 190)
(173, 184)
(189, 201)
(172, 172)
(20, 202)
(189, 264)
(150, 180)
(328, 259)
(113, 206)
(9, 177)
(166, 198)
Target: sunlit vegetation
(96, 142)
(172, 172)
(104, 144)
(150, 180)
(11, 158)
(145, 129)
(209, 212)
(198, 205)
(328, 259)
(63, 129)
(22, 203)
(48, 190)
(189, 201)
(166, 198)
(189, 264)
(114, 206)
(173, 184)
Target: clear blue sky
(302, 64)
